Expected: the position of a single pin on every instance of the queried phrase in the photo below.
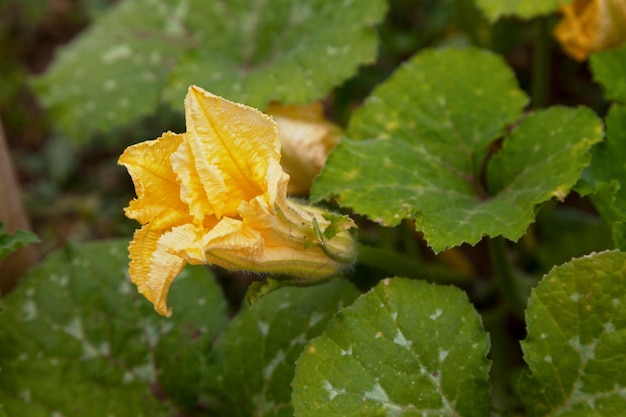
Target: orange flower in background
(591, 25)
(306, 139)
(217, 194)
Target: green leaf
(293, 51)
(406, 348)
(576, 343)
(254, 359)
(494, 9)
(143, 53)
(11, 242)
(115, 71)
(605, 177)
(77, 339)
(608, 69)
(425, 137)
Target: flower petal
(237, 141)
(152, 267)
(196, 187)
(158, 193)
(230, 244)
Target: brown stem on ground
(14, 217)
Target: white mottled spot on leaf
(399, 339)
(116, 53)
(443, 354)
(29, 310)
(264, 328)
(149, 76)
(332, 392)
(298, 340)
(347, 351)
(548, 358)
(124, 287)
(269, 369)
(145, 372)
(75, 328)
(150, 332)
(26, 396)
(315, 318)
(89, 351)
(110, 85)
(575, 297)
(166, 327)
(261, 405)
(128, 378)
(105, 348)
(377, 393)
(436, 314)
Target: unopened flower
(591, 25)
(217, 194)
(306, 139)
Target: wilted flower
(217, 194)
(306, 138)
(591, 25)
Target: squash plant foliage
(446, 160)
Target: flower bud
(591, 25)
(306, 138)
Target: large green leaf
(576, 344)
(255, 357)
(406, 348)
(605, 178)
(77, 339)
(116, 70)
(608, 69)
(145, 52)
(10, 242)
(494, 9)
(424, 138)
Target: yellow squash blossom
(306, 138)
(216, 194)
(591, 25)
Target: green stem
(322, 245)
(541, 64)
(403, 266)
(504, 275)
(504, 355)
(408, 239)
